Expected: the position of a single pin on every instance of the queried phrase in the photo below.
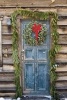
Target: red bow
(36, 28)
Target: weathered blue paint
(36, 64)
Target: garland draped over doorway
(35, 15)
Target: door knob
(22, 51)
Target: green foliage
(52, 53)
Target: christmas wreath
(34, 33)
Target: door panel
(29, 53)
(41, 53)
(41, 71)
(29, 76)
(36, 64)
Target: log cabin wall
(7, 86)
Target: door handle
(22, 51)
(22, 54)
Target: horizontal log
(62, 78)
(7, 94)
(33, 3)
(9, 37)
(7, 47)
(61, 58)
(59, 73)
(62, 22)
(61, 84)
(61, 69)
(62, 39)
(62, 93)
(6, 29)
(8, 68)
(8, 86)
(7, 42)
(62, 31)
(63, 49)
(7, 60)
(6, 33)
(7, 50)
(62, 88)
(62, 12)
(6, 77)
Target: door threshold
(38, 96)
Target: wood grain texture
(61, 69)
(31, 3)
(62, 39)
(62, 30)
(0, 44)
(8, 68)
(61, 58)
(62, 22)
(63, 49)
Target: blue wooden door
(36, 65)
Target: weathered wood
(8, 68)
(61, 73)
(7, 85)
(7, 42)
(7, 34)
(62, 78)
(6, 29)
(62, 93)
(33, 3)
(62, 88)
(63, 49)
(61, 69)
(7, 60)
(7, 94)
(62, 31)
(7, 51)
(62, 22)
(9, 37)
(0, 44)
(6, 80)
(62, 12)
(9, 47)
(61, 84)
(62, 39)
(61, 58)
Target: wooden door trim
(1, 61)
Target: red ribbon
(36, 28)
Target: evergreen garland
(54, 48)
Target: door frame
(19, 21)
